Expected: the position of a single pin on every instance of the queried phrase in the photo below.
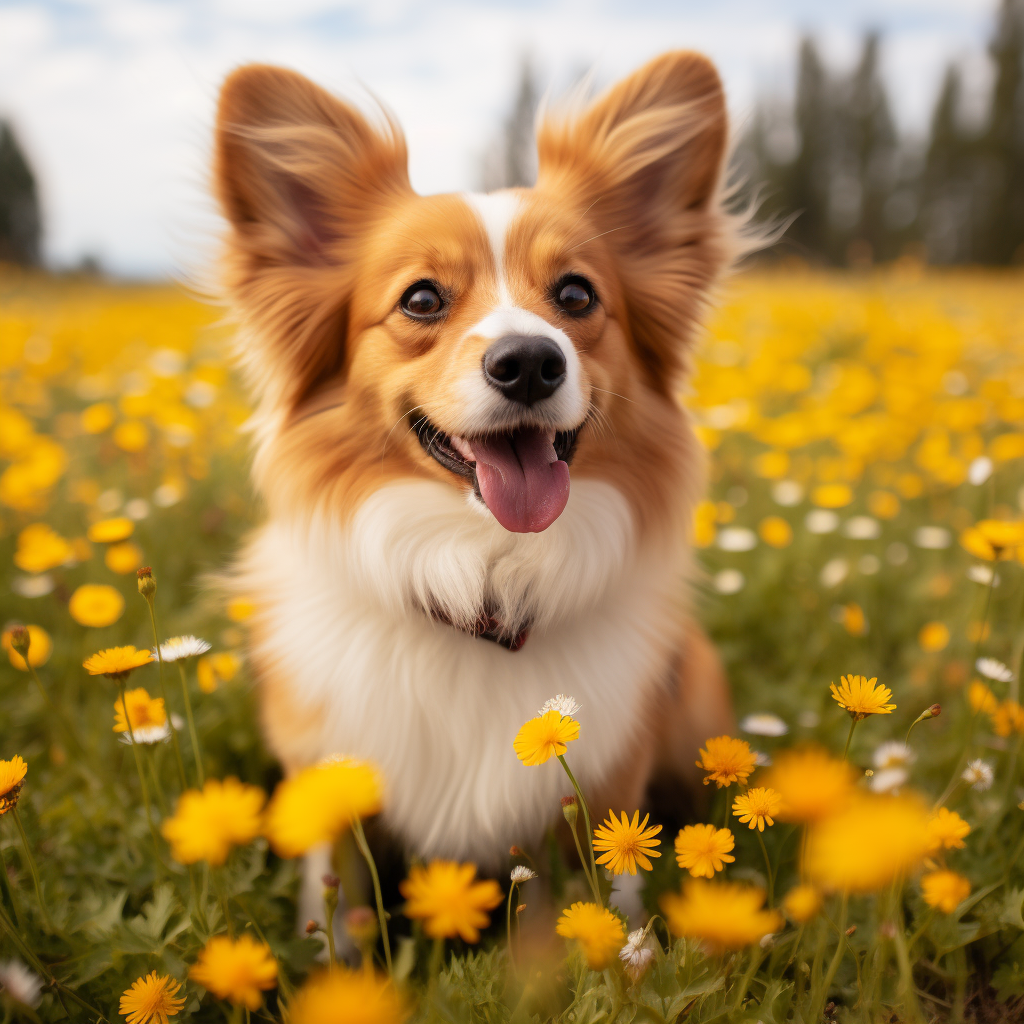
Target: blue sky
(114, 98)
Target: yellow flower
(341, 996)
(875, 840)
(40, 646)
(627, 843)
(143, 711)
(131, 436)
(97, 417)
(238, 971)
(722, 914)
(757, 806)
(883, 504)
(1007, 718)
(117, 662)
(945, 890)
(217, 668)
(12, 778)
(726, 760)
(981, 698)
(207, 824)
(450, 899)
(946, 830)
(854, 621)
(106, 531)
(704, 849)
(802, 902)
(123, 558)
(240, 608)
(774, 530)
(40, 548)
(545, 737)
(598, 931)
(832, 495)
(151, 999)
(861, 697)
(811, 783)
(319, 803)
(933, 637)
(993, 539)
(96, 604)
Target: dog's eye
(421, 300)
(574, 295)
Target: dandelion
(147, 716)
(946, 830)
(978, 775)
(635, 956)
(40, 646)
(811, 783)
(108, 531)
(598, 931)
(993, 539)
(725, 915)
(934, 636)
(215, 669)
(12, 778)
(319, 803)
(449, 899)
(117, 663)
(764, 724)
(861, 697)
(802, 903)
(945, 890)
(726, 760)
(703, 849)
(96, 604)
(775, 531)
(864, 847)
(757, 807)
(561, 703)
(180, 647)
(994, 669)
(520, 874)
(237, 970)
(123, 558)
(151, 999)
(20, 983)
(1008, 718)
(342, 996)
(625, 844)
(545, 737)
(207, 824)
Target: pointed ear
(298, 175)
(645, 162)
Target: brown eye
(574, 295)
(421, 300)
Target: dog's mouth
(521, 475)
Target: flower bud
(20, 640)
(935, 710)
(330, 881)
(311, 927)
(514, 851)
(147, 585)
(361, 924)
(570, 809)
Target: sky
(113, 100)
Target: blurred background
(884, 128)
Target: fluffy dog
(478, 476)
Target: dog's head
(486, 341)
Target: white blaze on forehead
(485, 410)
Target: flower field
(861, 853)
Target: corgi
(477, 473)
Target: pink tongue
(523, 482)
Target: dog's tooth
(463, 448)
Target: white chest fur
(438, 709)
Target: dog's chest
(438, 709)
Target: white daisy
(521, 874)
(564, 705)
(153, 733)
(635, 956)
(893, 754)
(994, 669)
(178, 647)
(20, 983)
(764, 724)
(978, 775)
(888, 780)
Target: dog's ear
(644, 161)
(298, 175)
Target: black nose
(524, 368)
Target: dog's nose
(524, 368)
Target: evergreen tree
(511, 159)
(20, 222)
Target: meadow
(859, 567)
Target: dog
(477, 473)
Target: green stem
(57, 714)
(142, 774)
(849, 736)
(33, 870)
(329, 908)
(161, 799)
(508, 926)
(5, 883)
(903, 958)
(748, 974)
(163, 692)
(767, 867)
(282, 981)
(436, 960)
(586, 820)
(591, 880)
(364, 849)
(819, 1004)
(193, 736)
